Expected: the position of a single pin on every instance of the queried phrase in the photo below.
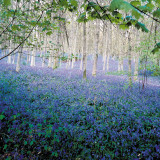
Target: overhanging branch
(24, 39)
(146, 14)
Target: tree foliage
(19, 17)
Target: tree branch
(146, 14)
(12, 19)
(8, 25)
(23, 40)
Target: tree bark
(10, 56)
(19, 59)
(104, 47)
(84, 52)
(96, 50)
(129, 59)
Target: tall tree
(129, 58)
(84, 51)
(96, 49)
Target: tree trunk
(136, 56)
(96, 50)
(158, 63)
(136, 67)
(33, 58)
(19, 59)
(108, 46)
(50, 60)
(13, 59)
(75, 46)
(84, 52)
(108, 62)
(33, 52)
(81, 64)
(129, 59)
(10, 56)
(120, 63)
(104, 47)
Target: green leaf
(25, 142)
(123, 26)
(156, 48)
(49, 33)
(45, 147)
(117, 14)
(49, 12)
(151, 6)
(139, 25)
(55, 154)
(15, 27)
(74, 3)
(135, 3)
(156, 13)
(5, 146)
(157, 1)
(14, 116)
(63, 3)
(2, 116)
(127, 7)
(33, 23)
(45, 28)
(128, 18)
(82, 17)
(9, 158)
(7, 2)
(92, 4)
(145, 8)
(31, 143)
(115, 4)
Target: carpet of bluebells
(46, 114)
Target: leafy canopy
(14, 21)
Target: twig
(24, 39)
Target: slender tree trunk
(136, 67)
(104, 47)
(60, 62)
(19, 59)
(50, 60)
(136, 58)
(108, 62)
(33, 52)
(28, 58)
(155, 39)
(30, 55)
(33, 58)
(44, 54)
(55, 61)
(84, 52)
(158, 63)
(13, 59)
(81, 64)
(120, 63)
(108, 46)
(10, 56)
(119, 54)
(75, 47)
(104, 62)
(129, 59)
(112, 41)
(96, 50)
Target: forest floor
(46, 114)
